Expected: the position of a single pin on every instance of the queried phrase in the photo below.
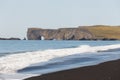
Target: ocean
(20, 59)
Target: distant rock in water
(24, 39)
(97, 32)
(10, 39)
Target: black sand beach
(104, 71)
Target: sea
(20, 59)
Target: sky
(16, 16)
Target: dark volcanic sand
(104, 71)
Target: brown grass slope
(108, 32)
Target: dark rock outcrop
(10, 39)
(24, 38)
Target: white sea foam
(14, 62)
(15, 76)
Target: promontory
(96, 32)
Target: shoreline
(104, 71)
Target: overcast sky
(18, 15)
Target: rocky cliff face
(97, 32)
(59, 34)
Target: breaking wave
(13, 63)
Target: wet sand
(104, 71)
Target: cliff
(97, 32)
